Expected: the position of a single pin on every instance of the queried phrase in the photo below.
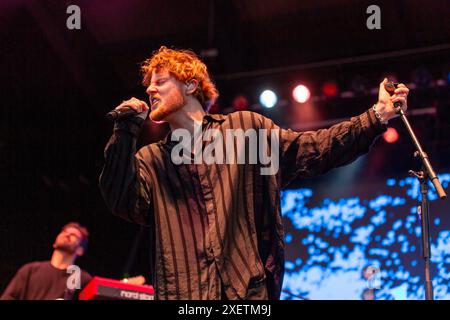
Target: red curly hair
(184, 65)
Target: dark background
(57, 84)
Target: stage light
(268, 99)
(330, 89)
(391, 135)
(240, 103)
(301, 93)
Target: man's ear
(80, 251)
(191, 86)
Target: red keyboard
(108, 289)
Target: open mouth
(154, 102)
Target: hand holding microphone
(128, 108)
(390, 97)
(397, 90)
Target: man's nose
(150, 90)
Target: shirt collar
(214, 117)
(208, 117)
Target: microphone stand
(426, 173)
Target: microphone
(119, 114)
(390, 87)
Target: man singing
(217, 227)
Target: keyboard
(109, 289)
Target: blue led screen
(340, 226)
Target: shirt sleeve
(311, 153)
(16, 287)
(125, 182)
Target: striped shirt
(217, 228)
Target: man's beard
(173, 103)
(67, 248)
